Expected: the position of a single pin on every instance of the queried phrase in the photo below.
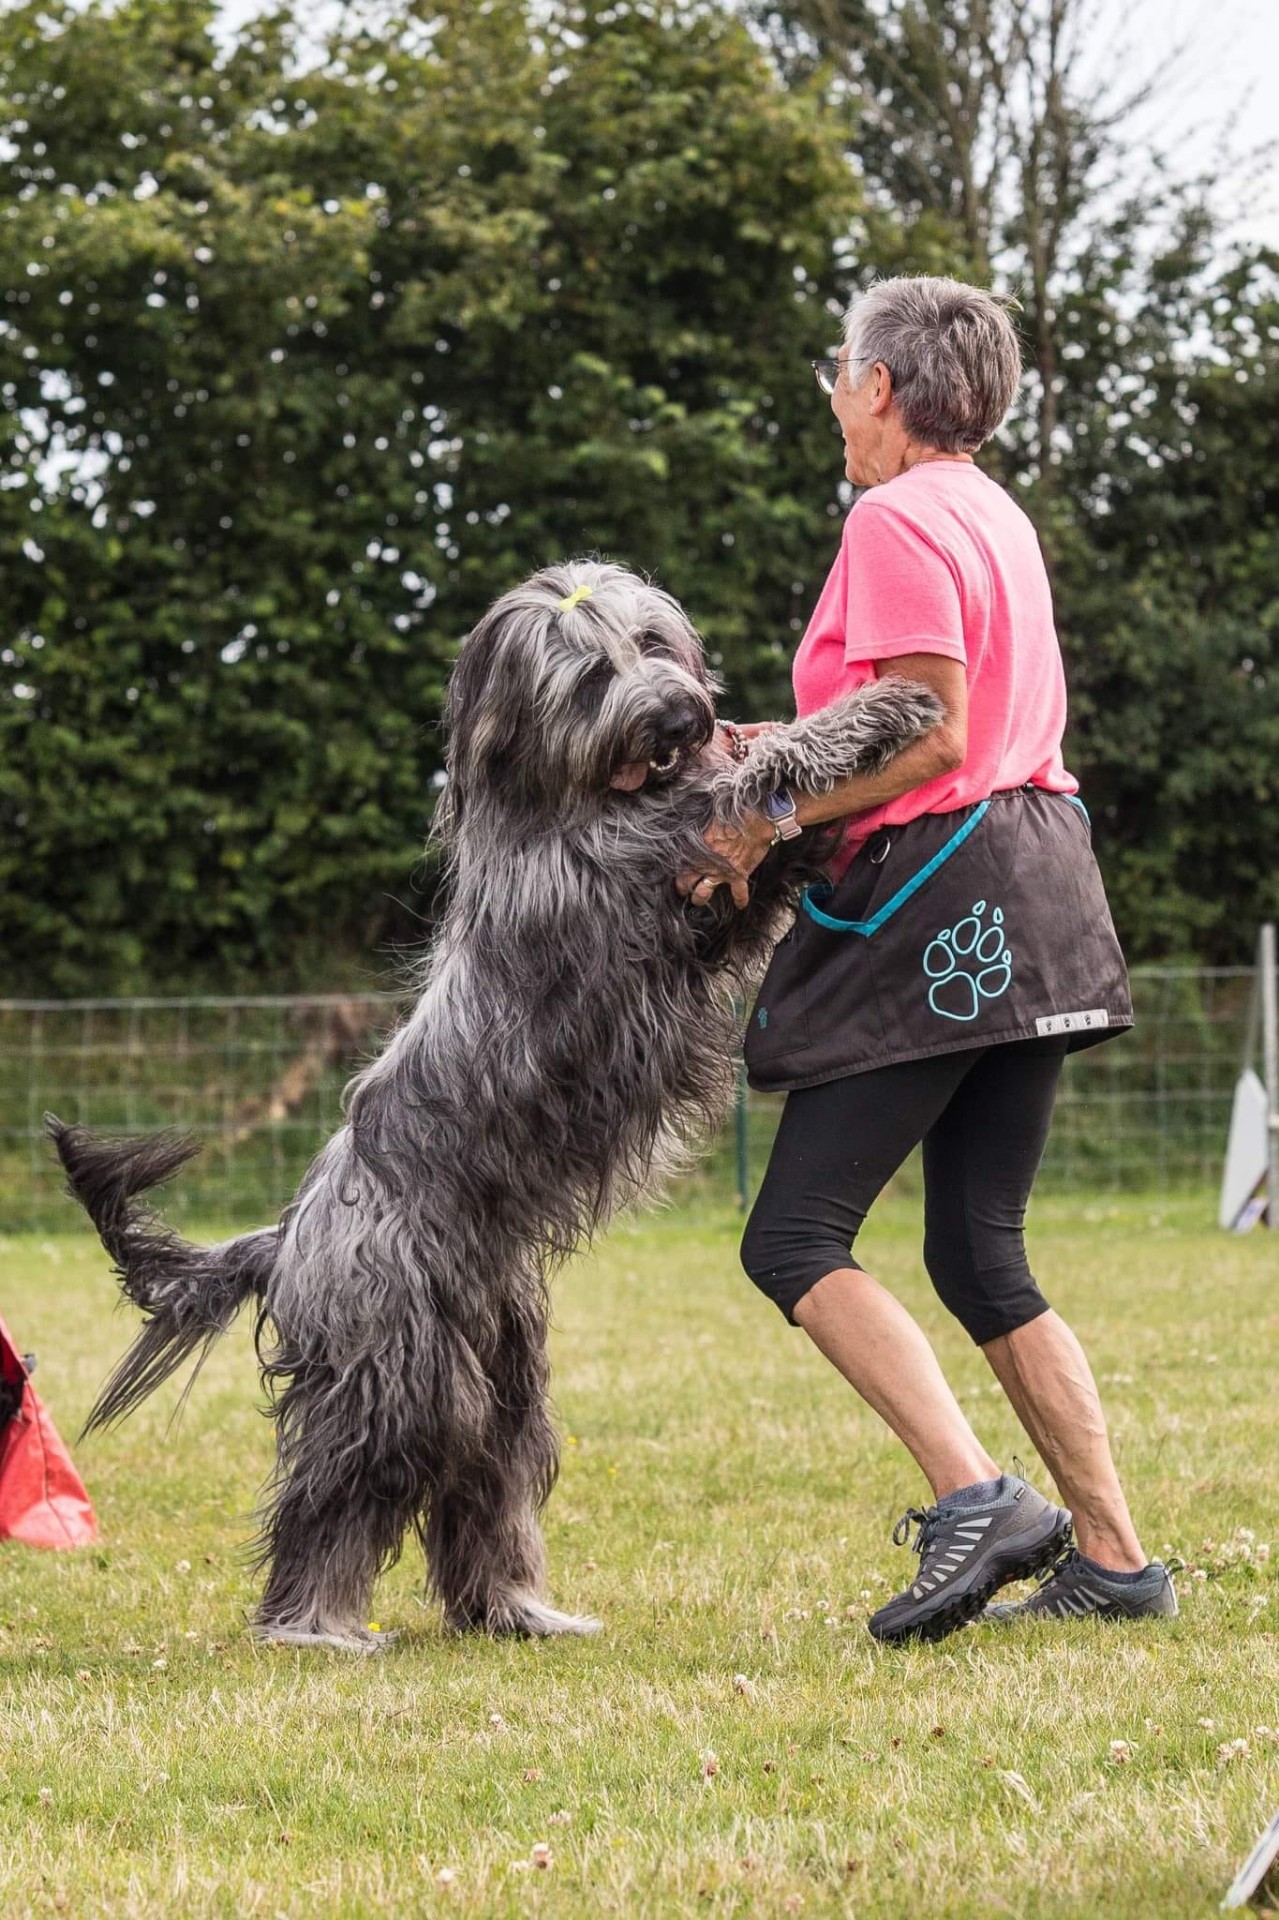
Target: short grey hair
(952, 353)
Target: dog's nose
(680, 725)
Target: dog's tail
(189, 1294)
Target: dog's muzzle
(683, 727)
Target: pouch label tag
(1071, 1022)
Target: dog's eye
(590, 689)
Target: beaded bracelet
(737, 747)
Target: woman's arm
(940, 751)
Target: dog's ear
(483, 711)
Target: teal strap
(1075, 801)
(903, 893)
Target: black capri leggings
(983, 1117)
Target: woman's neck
(916, 456)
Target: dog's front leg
(860, 733)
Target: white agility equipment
(1255, 1869)
(1250, 1180)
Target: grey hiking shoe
(1076, 1587)
(968, 1552)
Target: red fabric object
(42, 1498)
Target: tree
(996, 137)
(304, 365)
(1170, 611)
(1146, 438)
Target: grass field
(734, 1743)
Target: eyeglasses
(828, 372)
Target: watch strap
(780, 808)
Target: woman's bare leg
(881, 1352)
(1045, 1373)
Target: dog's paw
(363, 1640)
(523, 1616)
(541, 1621)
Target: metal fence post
(1266, 962)
(742, 1140)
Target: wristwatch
(780, 809)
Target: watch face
(779, 806)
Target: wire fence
(1147, 1111)
(259, 1082)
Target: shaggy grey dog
(572, 1041)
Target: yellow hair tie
(571, 600)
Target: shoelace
(928, 1519)
(1058, 1566)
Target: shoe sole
(961, 1608)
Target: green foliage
(328, 358)
(306, 356)
(1145, 438)
(1167, 565)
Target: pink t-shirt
(942, 560)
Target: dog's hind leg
(487, 1556)
(348, 1487)
(483, 1538)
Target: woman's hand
(741, 848)
(733, 737)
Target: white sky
(1223, 90)
(1223, 87)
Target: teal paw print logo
(968, 963)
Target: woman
(933, 993)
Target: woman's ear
(881, 393)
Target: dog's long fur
(572, 1042)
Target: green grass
(725, 1506)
